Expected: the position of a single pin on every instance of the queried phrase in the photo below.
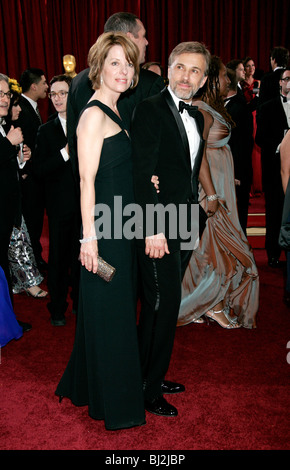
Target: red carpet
(237, 386)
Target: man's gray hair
(4, 78)
(122, 22)
(190, 47)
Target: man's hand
(15, 136)
(156, 246)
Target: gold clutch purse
(105, 270)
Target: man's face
(285, 83)
(186, 75)
(224, 81)
(58, 94)
(41, 88)
(240, 72)
(141, 41)
(5, 101)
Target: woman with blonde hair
(104, 369)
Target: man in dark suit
(269, 88)
(10, 196)
(241, 144)
(53, 168)
(34, 87)
(272, 123)
(169, 144)
(81, 89)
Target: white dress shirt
(63, 151)
(190, 127)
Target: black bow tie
(192, 110)
(284, 98)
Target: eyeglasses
(8, 94)
(60, 94)
(286, 79)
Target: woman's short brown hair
(99, 51)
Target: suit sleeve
(7, 150)
(145, 133)
(46, 159)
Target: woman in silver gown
(25, 275)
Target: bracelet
(90, 239)
(213, 197)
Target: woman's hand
(89, 255)
(212, 207)
(155, 181)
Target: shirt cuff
(65, 155)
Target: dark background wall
(37, 33)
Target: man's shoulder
(25, 105)
(49, 129)
(81, 81)
(149, 83)
(270, 104)
(156, 100)
(150, 77)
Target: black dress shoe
(160, 407)
(171, 387)
(25, 326)
(59, 322)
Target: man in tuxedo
(169, 144)
(81, 89)
(272, 123)
(241, 144)
(53, 168)
(269, 88)
(10, 196)
(34, 87)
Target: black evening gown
(104, 369)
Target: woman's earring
(132, 83)
(101, 81)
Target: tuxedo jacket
(81, 91)
(269, 87)
(10, 200)
(54, 172)
(241, 141)
(271, 125)
(29, 123)
(160, 147)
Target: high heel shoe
(228, 326)
(38, 294)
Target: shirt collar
(32, 102)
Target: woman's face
(250, 68)
(15, 111)
(224, 81)
(117, 72)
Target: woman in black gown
(104, 371)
